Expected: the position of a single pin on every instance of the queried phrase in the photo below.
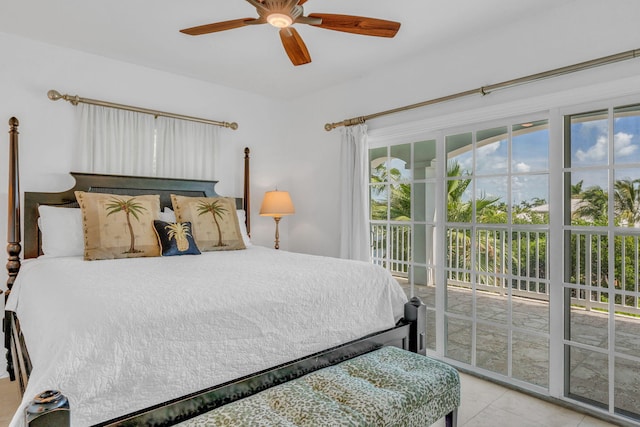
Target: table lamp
(277, 204)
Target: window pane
(626, 134)
(400, 163)
(458, 256)
(589, 198)
(491, 151)
(626, 197)
(627, 378)
(459, 206)
(587, 326)
(491, 200)
(531, 358)
(424, 153)
(459, 154)
(379, 200)
(492, 348)
(378, 164)
(589, 375)
(420, 249)
(589, 139)
(530, 147)
(458, 346)
(529, 199)
(589, 263)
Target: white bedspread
(121, 335)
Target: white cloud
(488, 150)
(598, 151)
(623, 144)
(522, 167)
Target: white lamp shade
(277, 203)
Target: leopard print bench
(386, 387)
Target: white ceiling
(252, 58)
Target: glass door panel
(602, 262)
(496, 263)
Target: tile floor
(483, 404)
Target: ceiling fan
(284, 13)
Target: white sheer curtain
(354, 194)
(114, 141)
(186, 149)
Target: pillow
(61, 230)
(243, 227)
(214, 221)
(169, 216)
(175, 238)
(118, 226)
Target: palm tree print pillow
(213, 219)
(118, 226)
(175, 238)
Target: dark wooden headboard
(110, 184)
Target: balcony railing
(391, 247)
(501, 261)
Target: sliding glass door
(602, 259)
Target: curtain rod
(485, 90)
(54, 95)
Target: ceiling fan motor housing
(284, 7)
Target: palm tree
(576, 189)
(457, 210)
(180, 232)
(217, 210)
(129, 207)
(594, 207)
(626, 201)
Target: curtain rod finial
(13, 122)
(54, 95)
(233, 126)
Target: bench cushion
(386, 387)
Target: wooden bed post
(13, 232)
(246, 198)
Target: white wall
(575, 32)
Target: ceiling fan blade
(294, 46)
(357, 24)
(218, 26)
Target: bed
(157, 340)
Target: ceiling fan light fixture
(279, 20)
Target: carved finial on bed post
(13, 233)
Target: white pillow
(167, 215)
(243, 227)
(61, 230)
